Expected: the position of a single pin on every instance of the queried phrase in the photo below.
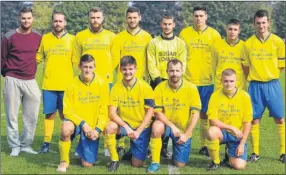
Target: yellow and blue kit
(131, 103)
(199, 59)
(134, 45)
(99, 46)
(228, 56)
(233, 111)
(161, 50)
(177, 105)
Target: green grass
(47, 163)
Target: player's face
(261, 24)
(95, 19)
(232, 31)
(87, 69)
(133, 19)
(167, 26)
(128, 72)
(59, 23)
(200, 18)
(175, 72)
(26, 20)
(229, 82)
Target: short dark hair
(261, 13)
(196, 8)
(95, 10)
(26, 10)
(233, 21)
(58, 13)
(174, 62)
(133, 9)
(124, 61)
(168, 16)
(86, 58)
(228, 72)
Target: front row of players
(175, 104)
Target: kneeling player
(130, 111)
(177, 106)
(230, 115)
(85, 109)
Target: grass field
(47, 163)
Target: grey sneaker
(28, 150)
(15, 151)
(253, 158)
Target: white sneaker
(28, 150)
(62, 168)
(15, 151)
(106, 152)
(76, 154)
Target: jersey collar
(233, 44)
(175, 90)
(131, 86)
(164, 38)
(135, 33)
(232, 95)
(95, 32)
(265, 39)
(64, 33)
(201, 31)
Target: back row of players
(199, 53)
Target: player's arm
(214, 58)
(161, 116)
(281, 54)
(182, 52)
(75, 57)
(245, 60)
(151, 61)
(115, 52)
(4, 54)
(40, 55)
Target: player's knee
(136, 163)
(111, 128)
(237, 164)
(279, 120)
(157, 129)
(67, 130)
(86, 164)
(180, 164)
(212, 132)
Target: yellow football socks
(155, 146)
(255, 133)
(49, 129)
(111, 145)
(281, 131)
(213, 148)
(64, 148)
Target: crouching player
(85, 110)
(230, 115)
(130, 111)
(177, 107)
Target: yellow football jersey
(177, 104)
(132, 101)
(87, 102)
(161, 50)
(228, 56)
(57, 54)
(134, 45)
(232, 111)
(264, 58)
(199, 59)
(99, 46)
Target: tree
(152, 11)
(9, 15)
(278, 17)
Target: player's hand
(176, 131)
(237, 133)
(240, 150)
(87, 130)
(129, 132)
(137, 134)
(182, 139)
(94, 135)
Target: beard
(175, 79)
(134, 26)
(58, 30)
(25, 27)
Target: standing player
(85, 110)
(227, 53)
(199, 39)
(264, 60)
(56, 52)
(133, 41)
(130, 111)
(96, 41)
(230, 115)
(18, 66)
(177, 106)
(162, 49)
